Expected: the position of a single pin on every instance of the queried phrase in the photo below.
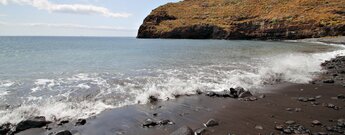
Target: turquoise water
(87, 75)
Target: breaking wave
(87, 94)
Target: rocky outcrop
(245, 19)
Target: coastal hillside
(246, 19)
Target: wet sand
(234, 116)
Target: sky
(74, 17)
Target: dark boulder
(5, 128)
(149, 123)
(35, 122)
(152, 99)
(245, 94)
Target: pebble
(330, 105)
(287, 131)
(318, 97)
(298, 109)
(311, 99)
(341, 96)
(290, 122)
(166, 122)
(316, 122)
(302, 99)
(259, 127)
(200, 131)
(185, 130)
(279, 127)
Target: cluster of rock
(35, 122)
(148, 123)
(314, 102)
(237, 92)
(338, 128)
(335, 71)
(291, 127)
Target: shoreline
(234, 116)
(195, 110)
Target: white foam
(54, 111)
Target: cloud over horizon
(67, 8)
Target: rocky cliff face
(246, 19)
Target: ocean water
(78, 77)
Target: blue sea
(79, 77)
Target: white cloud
(67, 8)
(2, 15)
(68, 26)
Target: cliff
(246, 19)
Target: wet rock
(288, 109)
(262, 96)
(200, 131)
(5, 128)
(259, 127)
(316, 122)
(165, 122)
(224, 94)
(152, 99)
(311, 99)
(302, 99)
(65, 132)
(341, 123)
(279, 127)
(287, 131)
(298, 109)
(318, 97)
(315, 103)
(330, 105)
(63, 122)
(245, 94)
(290, 122)
(210, 94)
(35, 122)
(185, 130)
(149, 123)
(80, 122)
(252, 99)
(328, 81)
(199, 92)
(211, 123)
(341, 96)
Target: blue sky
(74, 17)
